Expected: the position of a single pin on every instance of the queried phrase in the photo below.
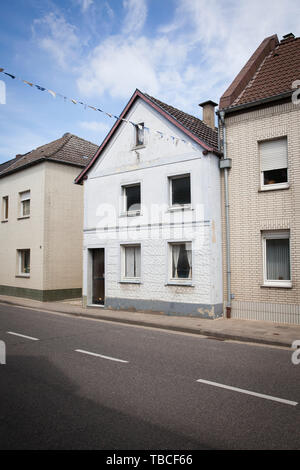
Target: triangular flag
(52, 93)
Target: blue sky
(98, 51)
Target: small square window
(132, 198)
(5, 208)
(180, 190)
(25, 204)
(277, 270)
(24, 262)
(181, 261)
(131, 262)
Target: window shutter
(273, 154)
(25, 196)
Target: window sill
(27, 276)
(274, 187)
(130, 281)
(131, 214)
(24, 217)
(180, 208)
(4, 221)
(138, 147)
(278, 285)
(180, 283)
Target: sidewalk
(239, 330)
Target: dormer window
(139, 134)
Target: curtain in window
(175, 256)
(278, 259)
(189, 257)
(129, 261)
(137, 253)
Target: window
(180, 190)
(132, 198)
(131, 262)
(277, 271)
(24, 262)
(25, 203)
(274, 163)
(5, 208)
(139, 134)
(181, 261)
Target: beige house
(41, 220)
(260, 127)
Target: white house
(152, 213)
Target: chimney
(209, 113)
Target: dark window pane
(181, 190)
(133, 198)
(182, 262)
(275, 176)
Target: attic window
(139, 134)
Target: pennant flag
(10, 75)
(28, 83)
(73, 101)
(52, 93)
(39, 87)
(1, 70)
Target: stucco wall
(63, 227)
(23, 233)
(253, 211)
(151, 167)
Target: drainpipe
(225, 164)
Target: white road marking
(100, 355)
(22, 336)
(248, 392)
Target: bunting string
(162, 135)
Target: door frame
(90, 275)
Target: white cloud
(95, 126)
(85, 4)
(57, 37)
(135, 17)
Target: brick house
(152, 213)
(41, 220)
(260, 125)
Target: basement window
(274, 164)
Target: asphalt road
(140, 390)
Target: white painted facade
(106, 225)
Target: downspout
(225, 164)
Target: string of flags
(54, 94)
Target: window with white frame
(131, 198)
(131, 262)
(277, 265)
(274, 163)
(23, 262)
(5, 208)
(181, 261)
(180, 190)
(139, 134)
(24, 203)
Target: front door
(98, 276)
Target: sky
(182, 52)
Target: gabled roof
(190, 125)
(68, 149)
(270, 72)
